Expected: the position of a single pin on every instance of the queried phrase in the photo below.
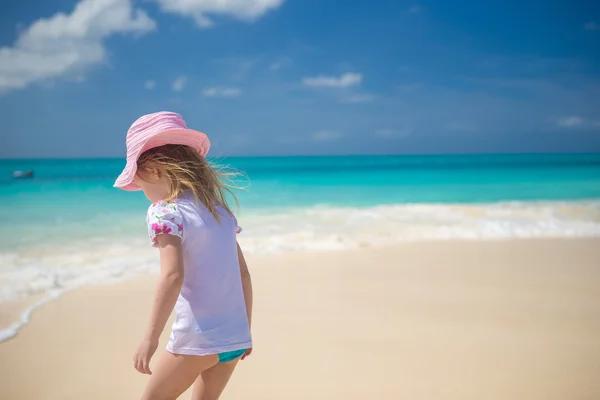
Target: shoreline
(77, 255)
(16, 314)
(455, 320)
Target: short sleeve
(164, 218)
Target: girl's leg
(211, 382)
(174, 374)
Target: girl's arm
(247, 287)
(246, 283)
(169, 284)
(167, 291)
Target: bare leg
(175, 373)
(211, 382)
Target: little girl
(203, 275)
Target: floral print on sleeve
(164, 218)
(238, 228)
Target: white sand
(441, 321)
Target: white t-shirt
(210, 313)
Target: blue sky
(288, 77)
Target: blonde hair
(187, 170)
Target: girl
(203, 276)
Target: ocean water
(69, 227)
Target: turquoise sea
(68, 227)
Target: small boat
(22, 174)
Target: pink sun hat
(154, 130)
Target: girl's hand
(145, 351)
(247, 353)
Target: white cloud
(592, 26)
(343, 81)
(325, 135)
(222, 92)
(150, 84)
(388, 133)
(281, 62)
(571, 122)
(179, 83)
(359, 98)
(578, 122)
(415, 9)
(235, 69)
(67, 45)
(245, 10)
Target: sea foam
(53, 268)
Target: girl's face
(155, 185)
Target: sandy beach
(445, 320)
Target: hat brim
(188, 137)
